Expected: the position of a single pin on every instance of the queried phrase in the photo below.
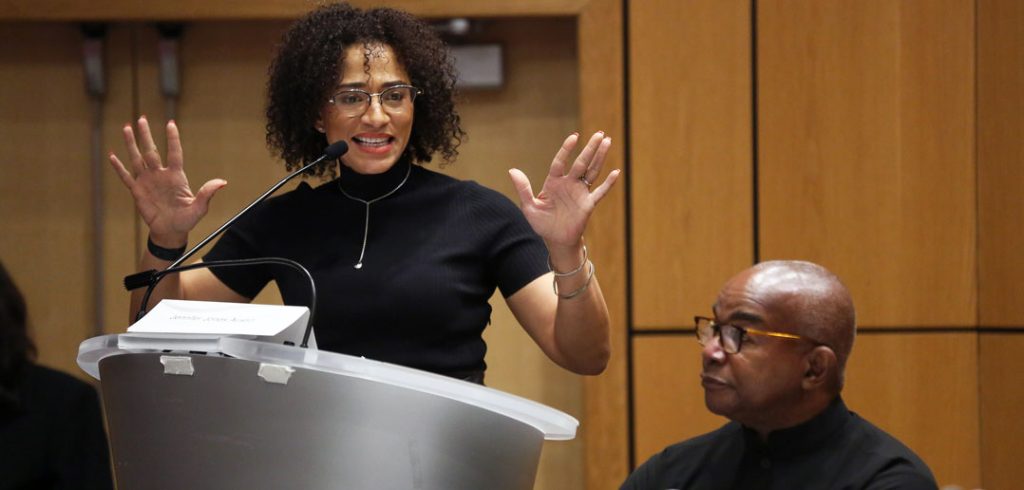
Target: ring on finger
(583, 178)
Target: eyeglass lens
(730, 337)
(394, 100)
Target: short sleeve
(516, 255)
(253, 236)
(239, 242)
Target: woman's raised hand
(559, 213)
(162, 195)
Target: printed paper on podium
(198, 325)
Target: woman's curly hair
(305, 73)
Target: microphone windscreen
(336, 149)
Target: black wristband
(168, 254)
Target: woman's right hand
(162, 195)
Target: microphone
(150, 278)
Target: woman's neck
(370, 186)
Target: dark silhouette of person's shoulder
(50, 390)
(53, 436)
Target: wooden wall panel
(602, 104)
(45, 188)
(866, 151)
(690, 113)
(1000, 161)
(922, 389)
(121, 246)
(129, 10)
(668, 398)
(1000, 133)
(534, 119)
(1001, 403)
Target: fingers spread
(147, 145)
(585, 156)
(175, 156)
(605, 186)
(558, 164)
(146, 142)
(138, 164)
(522, 184)
(207, 191)
(122, 172)
(594, 169)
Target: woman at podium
(405, 258)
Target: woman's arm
(564, 310)
(572, 332)
(166, 203)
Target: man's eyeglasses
(730, 337)
(396, 99)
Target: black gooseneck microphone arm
(150, 278)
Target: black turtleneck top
(835, 450)
(436, 250)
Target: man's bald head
(814, 302)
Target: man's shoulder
(894, 461)
(680, 464)
(873, 438)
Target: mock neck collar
(372, 186)
(804, 437)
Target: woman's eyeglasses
(396, 99)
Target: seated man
(773, 362)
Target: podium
(256, 415)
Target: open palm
(161, 192)
(559, 213)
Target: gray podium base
(226, 428)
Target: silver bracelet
(554, 284)
(586, 258)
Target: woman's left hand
(559, 213)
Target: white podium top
(554, 424)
